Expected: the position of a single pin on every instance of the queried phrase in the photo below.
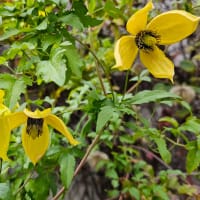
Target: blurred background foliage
(59, 54)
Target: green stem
(1, 161)
(100, 78)
(80, 122)
(175, 143)
(134, 86)
(25, 182)
(126, 84)
(98, 63)
(8, 67)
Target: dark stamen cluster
(34, 124)
(140, 40)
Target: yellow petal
(157, 63)
(5, 137)
(37, 113)
(125, 52)
(2, 93)
(36, 148)
(173, 26)
(138, 20)
(59, 125)
(16, 119)
(4, 110)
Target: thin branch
(134, 86)
(25, 182)
(98, 63)
(155, 156)
(82, 162)
(1, 161)
(175, 143)
(125, 85)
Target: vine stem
(25, 182)
(82, 162)
(1, 161)
(155, 156)
(126, 84)
(98, 63)
(134, 86)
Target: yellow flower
(41, 13)
(4, 125)
(35, 134)
(166, 28)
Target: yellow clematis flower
(5, 131)
(166, 28)
(35, 134)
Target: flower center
(146, 40)
(34, 127)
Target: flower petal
(125, 52)
(173, 26)
(157, 63)
(5, 137)
(4, 110)
(36, 148)
(59, 125)
(16, 119)
(2, 93)
(37, 113)
(138, 20)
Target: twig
(134, 86)
(155, 156)
(1, 161)
(82, 162)
(125, 85)
(98, 63)
(25, 182)
(175, 143)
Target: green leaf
(47, 40)
(162, 148)
(159, 191)
(192, 160)
(111, 9)
(111, 173)
(74, 61)
(170, 120)
(186, 105)
(30, 3)
(42, 25)
(2, 60)
(53, 69)
(147, 96)
(67, 166)
(188, 66)
(4, 191)
(14, 88)
(134, 192)
(104, 116)
(187, 189)
(72, 20)
(81, 12)
(50, 72)
(91, 5)
(8, 34)
(192, 124)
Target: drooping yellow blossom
(4, 128)
(166, 28)
(35, 134)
